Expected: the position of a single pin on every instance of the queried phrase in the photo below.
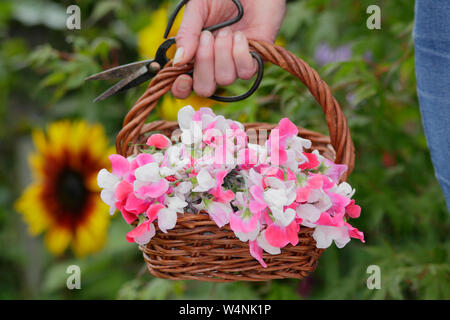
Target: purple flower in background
(325, 54)
(306, 286)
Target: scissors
(136, 73)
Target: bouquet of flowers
(265, 191)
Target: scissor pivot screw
(154, 67)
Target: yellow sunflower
(149, 39)
(64, 200)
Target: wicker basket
(196, 249)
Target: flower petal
(219, 213)
(158, 141)
(142, 233)
(308, 212)
(167, 219)
(185, 117)
(256, 252)
(355, 233)
(154, 190)
(353, 210)
(107, 180)
(152, 211)
(120, 165)
(262, 242)
(276, 236)
(148, 172)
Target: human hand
(221, 58)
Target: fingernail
(178, 55)
(223, 32)
(205, 38)
(184, 84)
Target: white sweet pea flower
(275, 198)
(324, 236)
(281, 193)
(254, 178)
(193, 135)
(291, 161)
(284, 218)
(205, 181)
(148, 172)
(261, 152)
(108, 197)
(219, 212)
(185, 116)
(158, 157)
(344, 189)
(320, 200)
(298, 144)
(183, 188)
(176, 204)
(308, 213)
(108, 182)
(177, 157)
(167, 219)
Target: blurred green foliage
(42, 71)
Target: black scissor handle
(254, 87)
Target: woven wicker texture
(196, 249)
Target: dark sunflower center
(72, 192)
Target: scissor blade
(131, 80)
(119, 72)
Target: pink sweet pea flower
(327, 220)
(311, 163)
(355, 233)
(136, 205)
(141, 160)
(219, 213)
(159, 141)
(154, 189)
(120, 165)
(142, 234)
(353, 210)
(303, 194)
(123, 190)
(339, 202)
(256, 252)
(247, 158)
(198, 115)
(334, 171)
(152, 211)
(277, 140)
(287, 128)
(315, 181)
(279, 236)
(257, 202)
(219, 193)
(248, 224)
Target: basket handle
(337, 123)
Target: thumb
(189, 33)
